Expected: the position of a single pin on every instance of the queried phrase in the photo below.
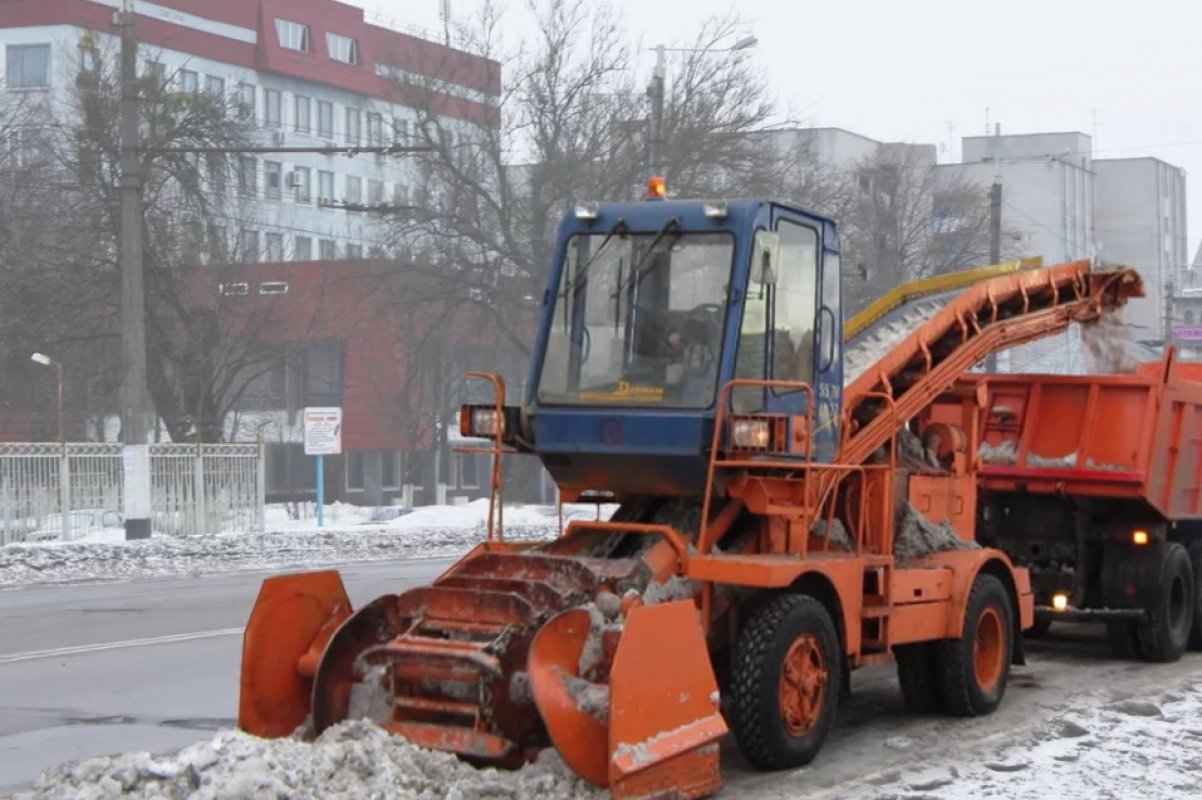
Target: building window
(400, 131)
(248, 176)
(354, 472)
(215, 86)
(189, 81)
(325, 187)
(352, 126)
(156, 73)
(322, 384)
(217, 166)
(303, 251)
(375, 191)
(293, 35)
(400, 195)
(390, 477)
(375, 129)
(303, 116)
(327, 250)
(234, 289)
(1189, 317)
(469, 473)
(272, 177)
(274, 246)
(343, 48)
(354, 189)
(246, 101)
(354, 251)
(273, 287)
(301, 182)
(271, 100)
(325, 119)
(28, 66)
(248, 246)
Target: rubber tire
(917, 677)
(1160, 640)
(1195, 634)
(755, 716)
(959, 692)
(1124, 643)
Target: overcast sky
(906, 70)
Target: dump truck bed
(1122, 436)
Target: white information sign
(323, 431)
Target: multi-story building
(1140, 222)
(309, 74)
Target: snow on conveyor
(870, 346)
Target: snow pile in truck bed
(426, 532)
(351, 761)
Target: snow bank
(1100, 747)
(427, 532)
(349, 761)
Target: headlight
(750, 434)
(587, 210)
(1060, 601)
(1140, 537)
(480, 422)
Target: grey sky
(905, 70)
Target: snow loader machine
(689, 366)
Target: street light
(47, 361)
(656, 91)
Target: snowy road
(101, 668)
(1070, 718)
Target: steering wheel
(700, 330)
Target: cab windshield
(638, 319)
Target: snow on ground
(351, 761)
(349, 536)
(1104, 745)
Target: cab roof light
(587, 210)
(715, 209)
(657, 189)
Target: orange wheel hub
(989, 649)
(803, 682)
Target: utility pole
(134, 406)
(995, 243)
(656, 92)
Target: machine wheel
(785, 682)
(1165, 631)
(1195, 557)
(1124, 642)
(917, 676)
(973, 669)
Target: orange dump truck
(1094, 483)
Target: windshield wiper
(637, 273)
(618, 227)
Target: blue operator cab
(652, 307)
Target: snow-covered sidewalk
(349, 536)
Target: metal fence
(54, 492)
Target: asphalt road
(153, 665)
(92, 669)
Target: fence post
(64, 491)
(198, 490)
(261, 487)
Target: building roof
(243, 33)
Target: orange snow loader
(689, 367)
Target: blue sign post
(323, 437)
(321, 491)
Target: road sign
(323, 431)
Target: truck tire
(1195, 633)
(1123, 638)
(1168, 581)
(973, 669)
(917, 677)
(785, 682)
